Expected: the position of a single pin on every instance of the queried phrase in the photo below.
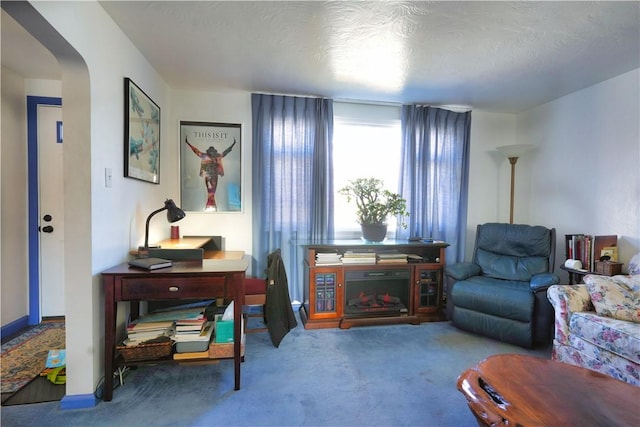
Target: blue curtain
(435, 175)
(292, 179)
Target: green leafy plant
(374, 204)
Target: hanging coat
(279, 315)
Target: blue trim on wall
(32, 199)
(78, 401)
(14, 327)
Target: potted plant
(374, 205)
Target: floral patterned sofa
(597, 325)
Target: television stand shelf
(393, 282)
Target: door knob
(47, 229)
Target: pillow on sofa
(617, 297)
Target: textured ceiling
(495, 56)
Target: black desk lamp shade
(174, 214)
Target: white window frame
(381, 123)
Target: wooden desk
(208, 279)
(519, 390)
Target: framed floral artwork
(141, 135)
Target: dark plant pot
(374, 232)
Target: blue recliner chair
(502, 293)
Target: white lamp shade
(515, 150)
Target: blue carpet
(402, 375)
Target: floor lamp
(513, 153)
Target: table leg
(237, 280)
(109, 336)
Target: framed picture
(141, 134)
(210, 167)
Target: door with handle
(51, 210)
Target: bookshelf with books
(596, 255)
(333, 269)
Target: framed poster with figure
(141, 134)
(210, 167)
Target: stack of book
(190, 329)
(392, 257)
(328, 258)
(142, 332)
(359, 257)
(194, 345)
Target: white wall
(219, 107)
(107, 222)
(13, 178)
(489, 173)
(585, 176)
(15, 269)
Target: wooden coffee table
(518, 390)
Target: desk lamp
(513, 153)
(174, 214)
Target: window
(366, 143)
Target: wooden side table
(519, 390)
(184, 280)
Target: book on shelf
(393, 261)
(194, 319)
(359, 257)
(359, 260)
(190, 328)
(146, 337)
(202, 335)
(358, 254)
(588, 249)
(149, 333)
(414, 258)
(173, 313)
(150, 263)
(328, 258)
(327, 254)
(149, 326)
(141, 332)
(392, 257)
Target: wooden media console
(355, 283)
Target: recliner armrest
(462, 270)
(542, 281)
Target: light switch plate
(107, 177)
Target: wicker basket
(140, 352)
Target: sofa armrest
(542, 281)
(462, 270)
(567, 300)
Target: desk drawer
(173, 287)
